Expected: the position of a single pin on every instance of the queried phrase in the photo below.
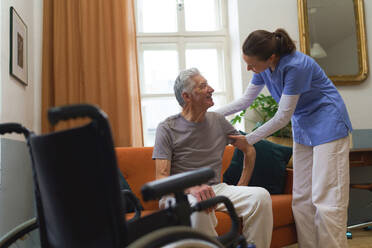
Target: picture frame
(18, 48)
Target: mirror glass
(332, 32)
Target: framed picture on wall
(18, 47)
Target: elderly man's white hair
(184, 83)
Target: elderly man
(196, 138)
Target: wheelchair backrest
(78, 192)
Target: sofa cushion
(224, 223)
(138, 167)
(269, 171)
(282, 214)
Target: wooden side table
(361, 158)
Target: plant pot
(281, 140)
(285, 141)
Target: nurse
(321, 128)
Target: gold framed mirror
(333, 33)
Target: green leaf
(265, 107)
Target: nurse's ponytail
(263, 44)
(284, 43)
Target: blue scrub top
(321, 115)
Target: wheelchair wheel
(176, 237)
(24, 235)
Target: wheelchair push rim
(176, 236)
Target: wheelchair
(78, 197)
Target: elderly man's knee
(257, 197)
(263, 196)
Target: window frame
(181, 39)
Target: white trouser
(253, 204)
(321, 193)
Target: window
(174, 35)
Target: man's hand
(201, 193)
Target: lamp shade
(317, 51)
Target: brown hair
(263, 44)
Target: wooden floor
(361, 239)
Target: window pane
(202, 15)
(219, 101)
(154, 111)
(207, 60)
(160, 68)
(157, 16)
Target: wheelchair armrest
(176, 183)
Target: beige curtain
(89, 56)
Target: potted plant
(266, 107)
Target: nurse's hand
(241, 143)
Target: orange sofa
(138, 168)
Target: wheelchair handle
(233, 234)
(176, 183)
(74, 111)
(13, 128)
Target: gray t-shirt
(189, 145)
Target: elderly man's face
(202, 92)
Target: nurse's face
(256, 65)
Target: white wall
(260, 14)
(272, 14)
(358, 98)
(22, 104)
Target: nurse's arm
(287, 106)
(243, 102)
